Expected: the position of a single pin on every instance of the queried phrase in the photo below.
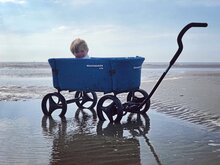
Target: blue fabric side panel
(52, 63)
(97, 74)
(127, 74)
(84, 74)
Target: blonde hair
(77, 45)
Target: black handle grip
(196, 24)
(180, 36)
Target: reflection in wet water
(138, 125)
(27, 137)
(106, 145)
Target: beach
(190, 95)
(181, 126)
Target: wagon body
(121, 74)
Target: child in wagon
(79, 48)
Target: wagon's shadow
(136, 125)
(73, 138)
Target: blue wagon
(87, 76)
(111, 76)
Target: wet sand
(28, 137)
(191, 96)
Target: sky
(36, 30)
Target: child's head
(79, 48)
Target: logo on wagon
(100, 66)
(137, 67)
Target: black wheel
(112, 108)
(86, 99)
(137, 97)
(52, 102)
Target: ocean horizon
(37, 64)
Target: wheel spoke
(86, 99)
(52, 105)
(51, 101)
(83, 101)
(134, 99)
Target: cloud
(74, 3)
(13, 1)
(211, 3)
(85, 30)
(61, 28)
(206, 3)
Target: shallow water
(28, 137)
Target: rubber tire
(61, 99)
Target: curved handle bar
(179, 41)
(180, 36)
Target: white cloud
(13, 1)
(210, 3)
(82, 3)
(61, 28)
(75, 3)
(207, 3)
